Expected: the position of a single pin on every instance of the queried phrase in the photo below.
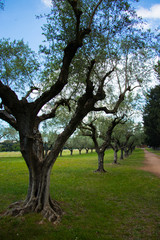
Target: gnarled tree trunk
(38, 198)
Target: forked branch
(4, 115)
(115, 109)
(100, 92)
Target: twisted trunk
(38, 198)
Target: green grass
(122, 204)
(154, 151)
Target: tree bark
(115, 157)
(80, 150)
(87, 150)
(100, 162)
(121, 157)
(38, 198)
(71, 151)
(61, 153)
(125, 153)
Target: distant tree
(83, 142)
(9, 133)
(121, 137)
(115, 146)
(9, 146)
(70, 145)
(9, 139)
(151, 117)
(100, 131)
(79, 143)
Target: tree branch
(9, 98)
(89, 89)
(77, 13)
(115, 109)
(63, 102)
(100, 92)
(94, 11)
(4, 115)
(69, 53)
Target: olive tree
(100, 131)
(86, 44)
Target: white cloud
(47, 3)
(153, 12)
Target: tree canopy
(18, 65)
(1, 4)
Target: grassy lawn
(122, 204)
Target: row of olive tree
(96, 54)
(117, 133)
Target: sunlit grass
(122, 204)
(10, 154)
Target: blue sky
(18, 18)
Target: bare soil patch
(152, 163)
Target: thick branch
(94, 135)
(120, 100)
(77, 13)
(89, 89)
(4, 115)
(9, 98)
(100, 91)
(69, 53)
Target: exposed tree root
(51, 212)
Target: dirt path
(152, 163)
